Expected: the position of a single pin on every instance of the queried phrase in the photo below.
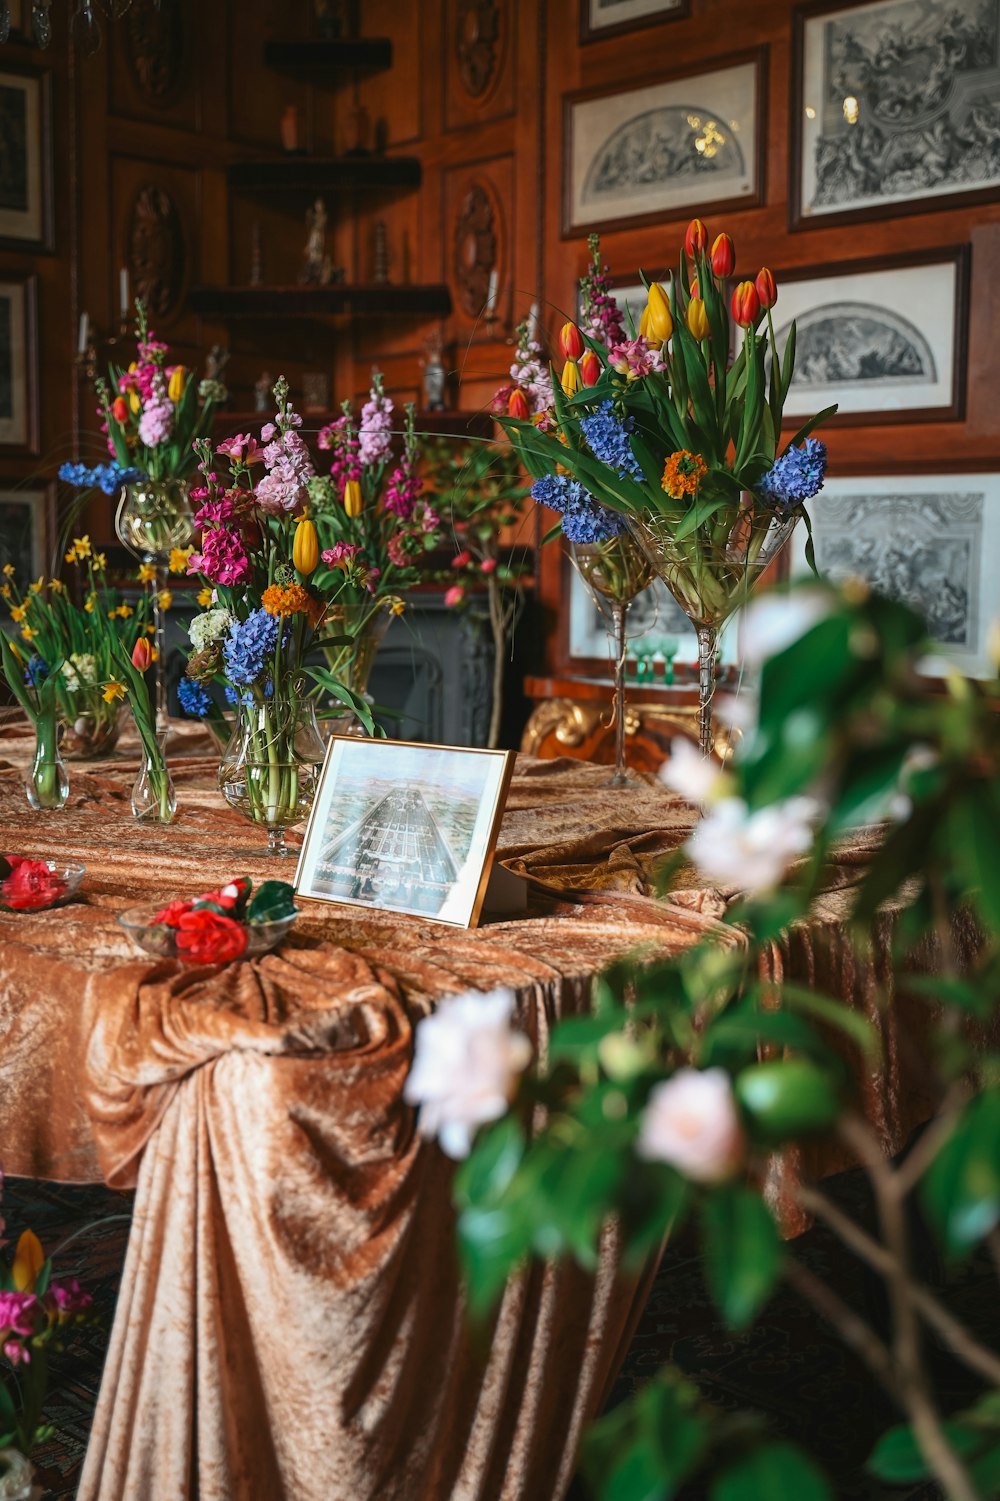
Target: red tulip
(590, 369)
(723, 255)
(696, 238)
(142, 653)
(571, 341)
(766, 289)
(119, 410)
(746, 304)
(517, 405)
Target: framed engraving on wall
(894, 102)
(25, 159)
(18, 364)
(25, 520)
(931, 540)
(885, 339)
(663, 149)
(600, 18)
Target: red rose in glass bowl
(207, 937)
(33, 885)
(227, 923)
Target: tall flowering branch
(602, 318)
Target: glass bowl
(70, 874)
(161, 941)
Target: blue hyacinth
(193, 698)
(249, 648)
(585, 519)
(106, 477)
(608, 440)
(796, 477)
(36, 671)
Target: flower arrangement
(219, 926)
(664, 1109)
(35, 1312)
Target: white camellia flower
(695, 777)
(465, 1062)
(752, 851)
(691, 1122)
(772, 622)
(208, 627)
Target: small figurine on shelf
(262, 392)
(380, 254)
(435, 375)
(317, 267)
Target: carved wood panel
(479, 44)
(478, 237)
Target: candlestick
(84, 335)
(533, 320)
(123, 298)
(491, 296)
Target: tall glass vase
(351, 664)
(153, 517)
(711, 573)
(615, 572)
(153, 797)
(271, 766)
(47, 785)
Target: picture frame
(655, 150)
(604, 18)
(890, 109)
(402, 826)
(931, 539)
(26, 529)
(26, 205)
(885, 338)
(18, 362)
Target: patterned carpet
(790, 1368)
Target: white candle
(123, 299)
(81, 343)
(533, 320)
(491, 295)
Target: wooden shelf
(366, 300)
(325, 174)
(444, 424)
(322, 62)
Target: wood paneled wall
(145, 129)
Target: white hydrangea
(752, 851)
(79, 670)
(465, 1063)
(208, 627)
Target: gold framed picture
(399, 826)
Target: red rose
(174, 911)
(30, 884)
(209, 938)
(227, 896)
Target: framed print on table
(931, 540)
(398, 826)
(884, 338)
(894, 102)
(26, 516)
(601, 18)
(662, 149)
(18, 364)
(25, 159)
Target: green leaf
(961, 1189)
(897, 1457)
(272, 901)
(974, 844)
(487, 1172)
(8, 1412)
(787, 1097)
(743, 1253)
(774, 1472)
(577, 1038)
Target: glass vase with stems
(271, 767)
(153, 520)
(615, 572)
(154, 799)
(47, 784)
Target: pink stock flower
(222, 558)
(18, 1313)
(267, 432)
(156, 423)
(218, 508)
(454, 596)
(375, 430)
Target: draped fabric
(290, 1321)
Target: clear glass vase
(615, 572)
(154, 799)
(47, 784)
(154, 517)
(90, 727)
(352, 664)
(712, 572)
(271, 767)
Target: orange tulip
(142, 653)
(697, 319)
(723, 255)
(571, 341)
(696, 238)
(517, 405)
(119, 410)
(766, 289)
(746, 304)
(590, 369)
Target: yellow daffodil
(81, 547)
(165, 599)
(89, 604)
(38, 585)
(124, 611)
(114, 690)
(204, 598)
(27, 633)
(5, 591)
(100, 561)
(179, 559)
(17, 614)
(70, 557)
(397, 607)
(57, 586)
(146, 574)
(8, 569)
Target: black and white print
(23, 161)
(603, 16)
(931, 541)
(18, 397)
(22, 525)
(900, 101)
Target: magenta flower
(635, 358)
(340, 555)
(18, 1313)
(68, 1298)
(222, 558)
(216, 509)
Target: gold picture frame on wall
(662, 149)
(402, 826)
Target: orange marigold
(287, 599)
(683, 473)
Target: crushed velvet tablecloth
(290, 1323)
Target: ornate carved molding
(154, 47)
(476, 248)
(155, 250)
(477, 44)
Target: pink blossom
(403, 489)
(375, 430)
(217, 508)
(18, 1313)
(461, 560)
(69, 1298)
(635, 358)
(16, 1354)
(692, 1123)
(429, 520)
(156, 423)
(241, 449)
(396, 548)
(267, 432)
(454, 596)
(498, 406)
(488, 565)
(339, 553)
(222, 559)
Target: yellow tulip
(659, 324)
(29, 1258)
(353, 501)
(176, 383)
(305, 548)
(697, 319)
(133, 402)
(570, 380)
